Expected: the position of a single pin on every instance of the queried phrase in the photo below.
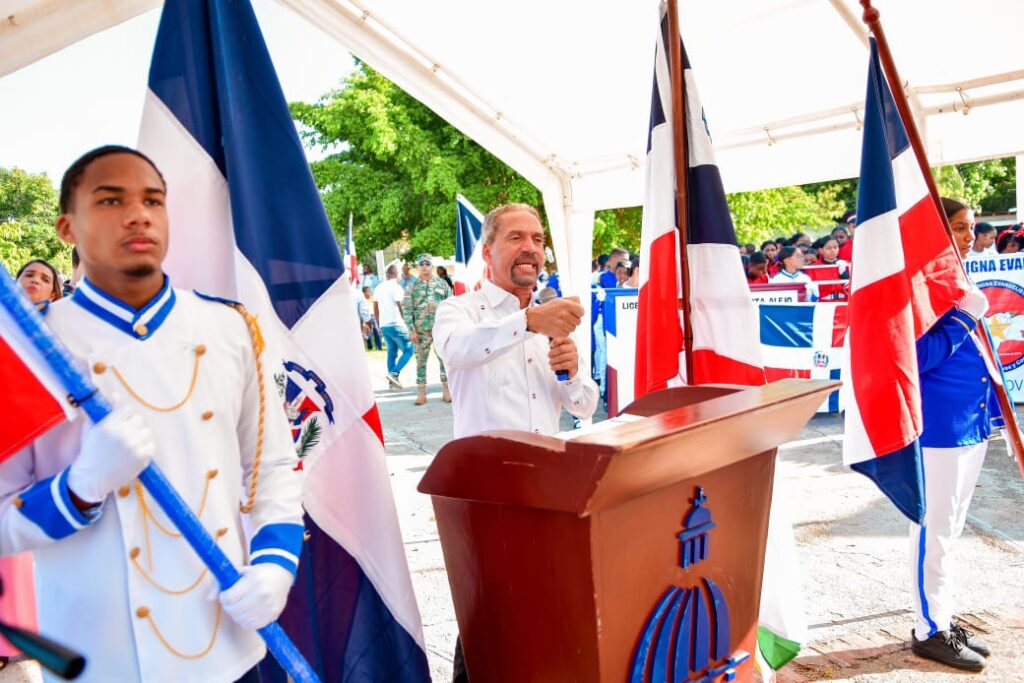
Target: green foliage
(397, 167)
(782, 211)
(28, 209)
(617, 228)
(986, 186)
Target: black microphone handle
(62, 661)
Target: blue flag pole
(84, 394)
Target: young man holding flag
(193, 386)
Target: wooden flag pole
(873, 21)
(675, 68)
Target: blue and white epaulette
(218, 299)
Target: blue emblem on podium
(687, 636)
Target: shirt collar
(495, 295)
(138, 323)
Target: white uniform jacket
(499, 372)
(121, 586)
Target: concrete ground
(851, 541)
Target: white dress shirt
(498, 372)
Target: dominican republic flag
(470, 269)
(247, 223)
(907, 277)
(351, 260)
(804, 341)
(722, 313)
(33, 399)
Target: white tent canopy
(561, 90)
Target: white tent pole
(1020, 188)
(572, 238)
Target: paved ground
(852, 545)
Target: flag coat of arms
(804, 341)
(247, 224)
(470, 268)
(907, 276)
(722, 313)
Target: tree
(765, 214)
(28, 210)
(397, 167)
(986, 186)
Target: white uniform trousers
(950, 475)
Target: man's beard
(140, 271)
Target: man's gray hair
(491, 220)
(392, 271)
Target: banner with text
(1001, 278)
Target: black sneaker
(969, 639)
(948, 649)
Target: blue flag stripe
(787, 326)
(467, 231)
(212, 70)
(884, 139)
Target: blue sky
(91, 93)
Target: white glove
(974, 303)
(258, 597)
(113, 453)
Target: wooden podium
(633, 552)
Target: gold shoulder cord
(256, 337)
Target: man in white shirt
(502, 353)
(387, 308)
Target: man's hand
(113, 453)
(414, 336)
(562, 356)
(556, 318)
(258, 598)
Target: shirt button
(529, 360)
(533, 395)
(984, 379)
(141, 330)
(982, 405)
(536, 431)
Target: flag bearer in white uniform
(959, 408)
(114, 578)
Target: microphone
(549, 294)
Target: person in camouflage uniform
(418, 307)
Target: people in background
(609, 278)
(810, 256)
(757, 268)
(621, 273)
(442, 273)
(41, 282)
(368, 323)
(407, 277)
(634, 273)
(844, 235)
(791, 271)
(1009, 242)
(76, 273)
(984, 241)
(387, 309)
(828, 255)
